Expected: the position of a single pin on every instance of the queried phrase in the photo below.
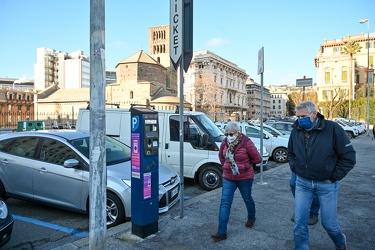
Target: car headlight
(3, 210)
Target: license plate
(174, 192)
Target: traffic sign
(175, 31)
(305, 82)
(188, 34)
(261, 61)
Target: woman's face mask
(231, 136)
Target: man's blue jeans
(227, 194)
(327, 193)
(315, 205)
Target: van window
(193, 133)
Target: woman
(237, 155)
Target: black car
(6, 224)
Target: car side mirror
(71, 163)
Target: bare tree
(296, 97)
(338, 97)
(209, 94)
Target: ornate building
(333, 67)
(216, 86)
(253, 91)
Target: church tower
(159, 50)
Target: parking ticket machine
(144, 172)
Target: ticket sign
(305, 82)
(176, 19)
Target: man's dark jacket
(328, 155)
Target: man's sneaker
(218, 237)
(313, 219)
(250, 223)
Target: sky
(290, 31)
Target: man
(320, 154)
(315, 205)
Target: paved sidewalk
(273, 228)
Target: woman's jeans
(315, 205)
(227, 194)
(327, 193)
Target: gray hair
(309, 105)
(232, 126)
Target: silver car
(52, 167)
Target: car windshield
(216, 133)
(116, 151)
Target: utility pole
(98, 173)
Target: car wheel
(210, 178)
(115, 210)
(2, 192)
(350, 134)
(280, 155)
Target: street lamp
(368, 72)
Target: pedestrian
(315, 205)
(237, 155)
(373, 131)
(320, 154)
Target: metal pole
(368, 77)
(261, 128)
(98, 174)
(181, 109)
(368, 72)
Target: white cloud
(216, 42)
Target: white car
(276, 146)
(350, 131)
(273, 131)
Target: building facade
(254, 100)
(278, 105)
(66, 70)
(334, 69)
(216, 86)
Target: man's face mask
(305, 122)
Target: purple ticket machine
(145, 171)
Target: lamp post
(368, 72)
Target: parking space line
(51, 225)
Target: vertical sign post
(181, 45)
(176, 33)
(260, 71)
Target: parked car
(52, 167)
(6, 224)
(350, 131)
(273, 131)
(360, 126)
(266, 154)
(285, 127)
(276, 146)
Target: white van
(202, 139)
